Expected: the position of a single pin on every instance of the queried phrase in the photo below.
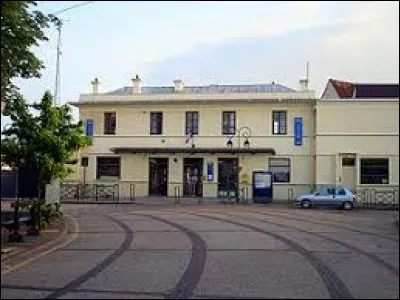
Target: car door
(340, 196)
(322, 197)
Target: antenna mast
(59, 24)
(307, 71)
(58, 80)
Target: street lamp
(242, 132)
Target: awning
(121, 150)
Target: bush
(48, 212)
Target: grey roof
(210, 89)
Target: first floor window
(228, 122)
(192, 123)
(374, 171)
(280, 168)
(110, 122)
(279, 122)
(108, 167)
(156, 122)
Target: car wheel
(347, 205)
(305, 204)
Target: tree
(45, 144)
(20, 30)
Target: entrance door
(349, 171)
(158, 176)
(227, 177)
(192, 177)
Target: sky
(217, 43)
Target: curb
(23, 257)
(28, 250)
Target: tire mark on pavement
(190, 278)
(327, 215)
(334, 225)
(98, 268)
(371, 256)
(114, 293)
(336, 288)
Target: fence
(89, 192)
(374, 197)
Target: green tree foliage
(21, 28)
(45, 142)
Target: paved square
(217, 251)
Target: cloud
(220, 42)
(362, 46)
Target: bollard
(132, 192)
(176, 194)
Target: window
(340, 192)
(156, 122)
(348, 161)
(279, 122)
(192, 123)
(228, 122)
(110, 122)
(374, 171)
(108, 167)
(280, 168)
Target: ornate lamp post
(241, 132)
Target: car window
(331, 191)
(340, 192)
(325, 191)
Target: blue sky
(218, 42)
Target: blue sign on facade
(89, 127)
(298, 131)
(210, 171)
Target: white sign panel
(262, 180)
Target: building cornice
(165, 99)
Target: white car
(339, 196)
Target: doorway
(158, 176)
(227, 177)
(192, 177)
(349, 171)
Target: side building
(357, 138)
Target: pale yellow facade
(332, 129)
(359, 128)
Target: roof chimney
(178, 85)
(303, 84)
(137, 85)
(95, 86)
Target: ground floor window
(374, 171)
(108, 167)
(280, 168)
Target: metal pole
(237, 168)
(84, 182)
(57, 83)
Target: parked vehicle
(339, 196)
